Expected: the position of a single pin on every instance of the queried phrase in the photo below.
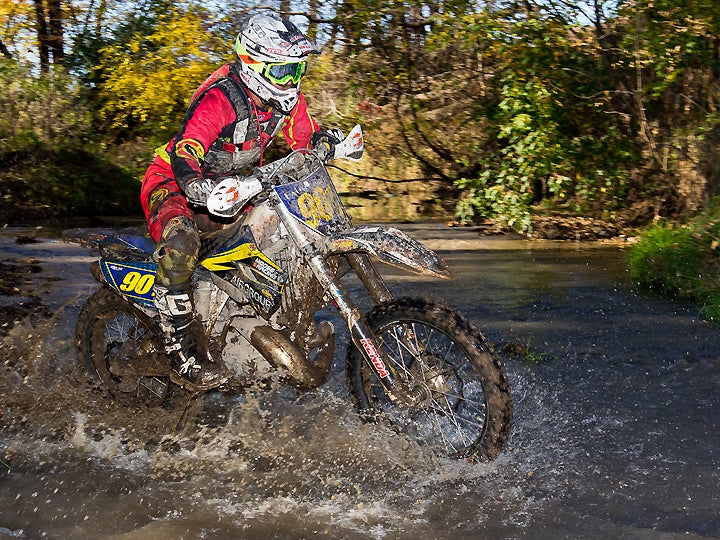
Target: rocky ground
(559, 227)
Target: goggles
(282, 72)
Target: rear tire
(466, 411)
(119, 346)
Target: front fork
(362, 335)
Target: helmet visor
(283, 73)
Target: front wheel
(118, 345)
(465, 410)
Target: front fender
(390, 246)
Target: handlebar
(231, 194)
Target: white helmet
(272, 59)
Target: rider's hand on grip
(197, 191)
(258, 174)
(324, 142)
(232, 194)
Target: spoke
(448, 412)
(453, 411)
(418, 349)
(120, 327)
(439, 410)
(423, 351)
(449, 350)
(476, 403)
(398, 363)
(401, 342)
(455, 399)
(117, 340)
(435, 419)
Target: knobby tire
(108, 336)
(467, 411)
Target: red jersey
(225, 132)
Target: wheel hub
(431, 385)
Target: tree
(4, 50)
(33, 23)
(49, 28)
(671, 93)
(549, 138)
(148, 78)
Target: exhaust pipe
(284, 355)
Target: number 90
(137, 283)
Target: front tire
(466, 410)
(119, 346)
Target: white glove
(197, 191)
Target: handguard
(352, 147)
(231, 194)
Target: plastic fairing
(393, 247)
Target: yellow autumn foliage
(152, 77)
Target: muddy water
(617, 407)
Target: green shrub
(682, 261)
(40, 110)
(52, 164)
(666, 259)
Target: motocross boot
(176, 309)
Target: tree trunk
(313, 16)
(4, 50)
(55, 32)
(42, 34)
(48, 18)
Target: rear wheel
(118, 345)
(465, 408)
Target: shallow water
(615, 433)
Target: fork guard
(391, 246)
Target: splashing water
(615, 435)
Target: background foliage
(682, 260)
(499, 109)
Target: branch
(386, 180)
(4, 50)
(441, 152)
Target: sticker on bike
(134, 280)
(375, 357)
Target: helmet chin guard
(270, 40)
(281, 99)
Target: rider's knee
(177, 252)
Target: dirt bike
(416, 364)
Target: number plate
(315, 202)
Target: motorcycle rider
(231, 119)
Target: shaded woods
(506, 110)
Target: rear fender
(391, 246)
(129, 244)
